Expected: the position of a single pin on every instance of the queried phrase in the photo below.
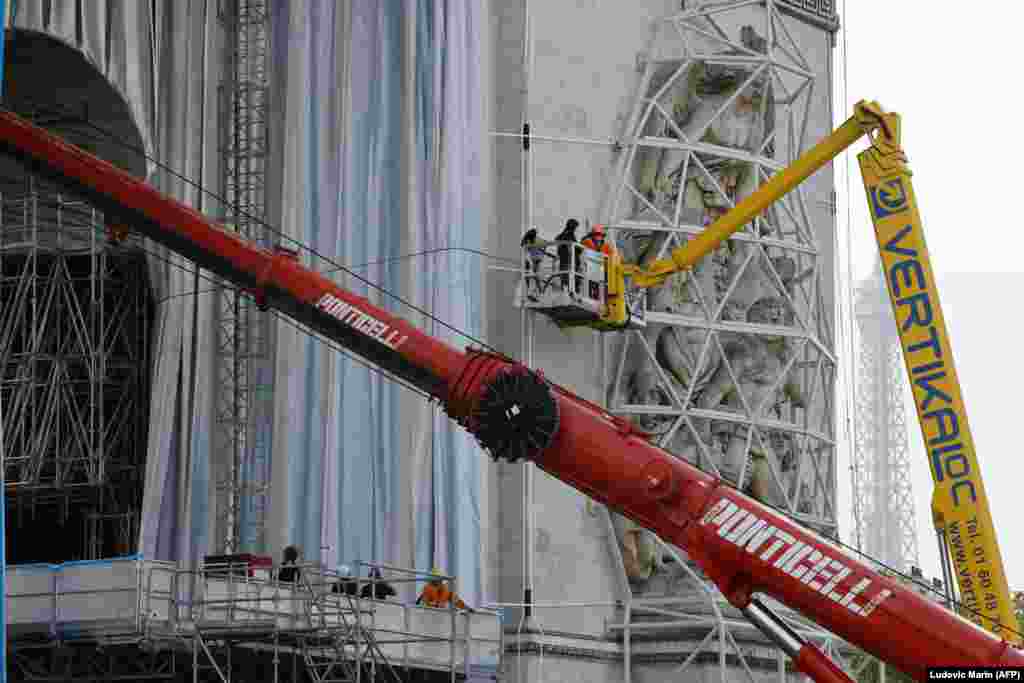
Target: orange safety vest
(605, 248)
(438, 595)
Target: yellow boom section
(959, 503)
(867, 116)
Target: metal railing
(153, 601)
(565, 268)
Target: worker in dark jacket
(568, 234)
(289, 571)
(346, 586)
(377, 588)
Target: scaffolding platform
(133, 600)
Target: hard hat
(344, 570)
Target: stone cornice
(821, 13)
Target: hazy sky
(947, 68)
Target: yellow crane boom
(959, 502)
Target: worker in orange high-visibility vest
(437, 594)
(595, 240)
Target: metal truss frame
(803, 478)
(885, 524)
(245, 381)
(805, 489)
(74, 362)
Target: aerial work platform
(569, 283)
(136, 600)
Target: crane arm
(743, 546)
(867, 118)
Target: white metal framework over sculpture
(736, 367)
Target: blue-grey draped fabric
(449, 137)
(341, 198)
(344, 179)
(370, 213)
(178, 503)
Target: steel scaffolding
(245, 387)
(332, 633)
(74, 356)
(736, 367)
(883, 497)
(134, 619)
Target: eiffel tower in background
(883, 499)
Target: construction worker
(437, 594)
(289, 571)
(568, 234)
(346, 586)
(535, 253)
(378, 588)
(595, 240)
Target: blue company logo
(888, 198)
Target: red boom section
(743, 546)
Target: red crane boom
(744, 547)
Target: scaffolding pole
(3, 479)
(245, 387)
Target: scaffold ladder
(211, 661)
(340, 648)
